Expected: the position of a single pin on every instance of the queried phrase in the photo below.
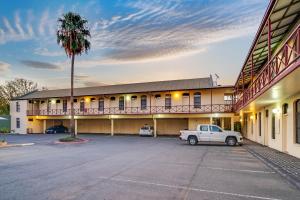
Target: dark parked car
(57, 129)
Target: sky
(131, 40)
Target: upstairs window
(285, 109)
(65, 105)
(197, 100)
(133, 98)
(297, 124)
(82, 105)
(17, 106)
(121, 103)
(101, 105)
(168, 101)
(228, 98)
(143, 102)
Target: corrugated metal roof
(284, 15)
(172, 85)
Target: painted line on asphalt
(239, 170)
(191, 189)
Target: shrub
(70, 139)
(237, 126)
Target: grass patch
(70, 139)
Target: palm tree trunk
(72, 121)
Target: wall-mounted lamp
(276, 110)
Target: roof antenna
(217, 77)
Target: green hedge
(5, 124)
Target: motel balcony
(178, 109)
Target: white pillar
(112, 127)
(75, 127)
(232, 123)
(210, 120)
(222, 122)
(44, 126)
(155, 127)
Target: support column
(155, 127)
(232, 123)
(44, 126)
(75, 127)
(222, 122)
(112, 127)
(210, 120)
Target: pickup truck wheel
(231, 141)
(192, 140)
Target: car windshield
(215, 129)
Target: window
(93, 99)
(42, 102)
(197, 100)
(215, 129)
(121, 103)
(75, 100)
(273, 125)
(168, 101)
(17, 107)
(144, 102)
(228, 98)
(101, 105)
(227, 123)
(204, 128)
(259, 124)
(65, 105)
(186, 94)
(285, 108)
(57, 101)
(297, 109)
(82, 105)
(18, 123)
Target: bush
(70, 139)
(4, 130)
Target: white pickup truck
(211, 133)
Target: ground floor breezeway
(122, 124)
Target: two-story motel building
(168, 106)
(266, 95)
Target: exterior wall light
(127, 98)
(176, 95)
(251, 117)
(86, 99)
(53, 101)
(276, 110)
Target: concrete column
(155, 127)
(222, 122)
(75, 127)
(44, 126)
(112, 127)
(210, 120)
(232, 123)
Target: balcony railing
(183, 109)
(284, 61)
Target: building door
(266, 128)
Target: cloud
(46, 52)
(158, 28)
(40, 65)
(4, 67)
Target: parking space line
(239, 170)
(190, 188)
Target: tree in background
(72, 35)
(12, 89)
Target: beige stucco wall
(130, 126)
(22, 115)
(93, 126)
(193, 122)
(285, 133)
(171, 126)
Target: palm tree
(72, 35)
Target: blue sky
(132, 40)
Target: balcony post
(44, 126)
(232, 123)
(112, 127)
(154, 127)
(75, 127)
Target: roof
(283, 15)
(172, 85)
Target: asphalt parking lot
(129, 167)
